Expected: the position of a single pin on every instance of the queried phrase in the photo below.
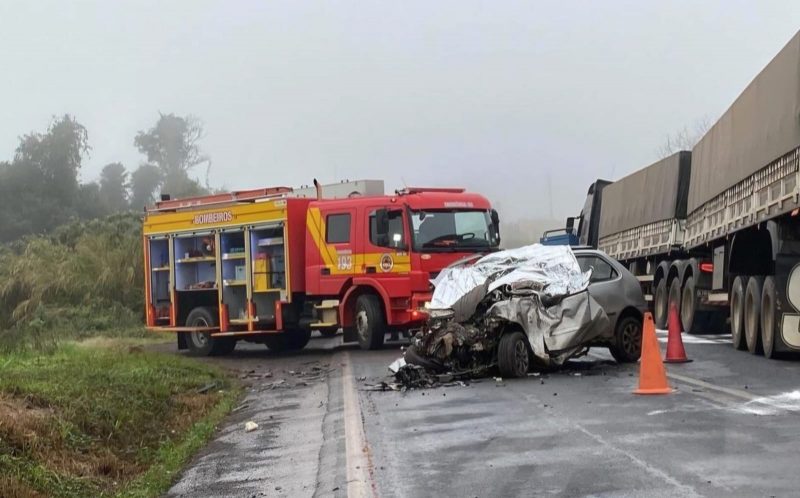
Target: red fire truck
(265, 267)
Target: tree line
(40, 187)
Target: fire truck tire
(768, 299)
(661, 304)
(513, 358)
(737, 313)
(201, 343)
(752, 314)
(370, 321)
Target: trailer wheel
(627, 345)
(661, 308)
(768, 296)
(737, 313)
(752, 314)
(201, 343)
(370, 322)
(688, 307)
(674, 298)
(513, 358)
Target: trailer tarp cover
(761, 126)
(657, 192)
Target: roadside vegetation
(87, 407)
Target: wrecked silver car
(534, 304)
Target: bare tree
(684, 139)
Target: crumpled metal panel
(550, 270)
(559, 331)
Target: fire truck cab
(266, 267)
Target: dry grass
(89, 420)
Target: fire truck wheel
(370, 322)
(201, 343)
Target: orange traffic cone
(652, 376)
(675, 351)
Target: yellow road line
(356, 449)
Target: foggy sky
(494, 96)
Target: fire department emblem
(387, 263)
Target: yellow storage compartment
(261, 273)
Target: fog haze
(504, 98)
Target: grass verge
(104, 419)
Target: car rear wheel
(752, 314)
(661, 305)
(513, 359)
(627, 345)
(737, 313)
(768, 296)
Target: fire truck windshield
(452, 231)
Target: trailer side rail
(771, 191)
(660, 237)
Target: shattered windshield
(443, 230)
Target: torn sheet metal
(549, 270)
(557, 332)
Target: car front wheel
(627, 346)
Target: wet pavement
(729, 429)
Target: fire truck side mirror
(382, 227)
(496, 224)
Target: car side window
(601, 270)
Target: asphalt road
(729, 429)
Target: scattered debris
(250, 426)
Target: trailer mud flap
(787, 280)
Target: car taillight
(707, 267)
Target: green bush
(84, 279)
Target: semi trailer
(715, 231)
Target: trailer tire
(752, 314)
(661, 308)
(674, 298)
(688, 307)
(737, 313)
(370, 321)
(627, 347)
(513, 358)
(768, 300)
(201, 343)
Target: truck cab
(374, 257)
(588, 222)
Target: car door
(604, 284)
